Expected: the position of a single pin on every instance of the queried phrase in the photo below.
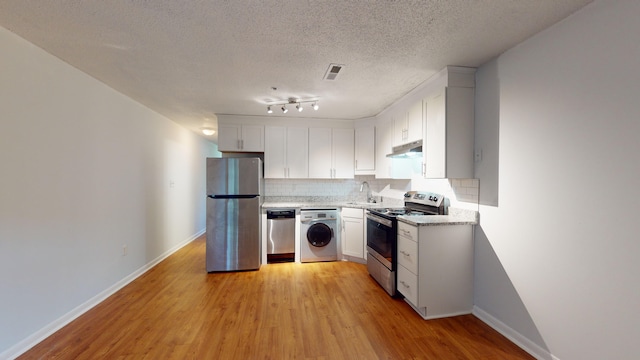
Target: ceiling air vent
(333, 71)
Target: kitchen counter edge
(456, 216)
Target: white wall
(564, 275)
(84, 172)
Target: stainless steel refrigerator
(234, 189)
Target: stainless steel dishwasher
(281, 234)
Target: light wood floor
(283, 311)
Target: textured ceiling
(190, 60)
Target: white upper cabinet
(286, 152)
(388, 168)
(407, 127)
(240, 138)
(448, 139)
(331, 153)
(365, 150)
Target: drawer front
(408, 231)
(352, 212)
(408, 285)
(408, 254)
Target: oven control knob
(407, 195)
(435, 198)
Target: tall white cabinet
(286, 152)
(449, 127)
(331, 153)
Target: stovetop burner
(393, 212)
(416, 203)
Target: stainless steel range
(382, 237)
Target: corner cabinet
(365, 138)
(286, 152)
(353, 244)
(240, 138)
(435, 268)
(331, 153)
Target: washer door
(319, 235)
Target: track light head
(284, 109)
(269, 111)
(299, 107)
(315, 106)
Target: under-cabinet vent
(332, 71)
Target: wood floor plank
(331, 310)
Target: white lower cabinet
(353, 244)
(435, 268)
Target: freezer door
(234, 176)
(233, 234)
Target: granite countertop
(456, 217)
(321, 204)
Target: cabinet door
(229, 137)
(414, 122)
(320, 153)
(400, 129)
(343, 153)
(275, 166)
(365, 150)
(252, 138)
(297, 153)
(384, 143)
(436, 134)
(353, 239)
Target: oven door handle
(380, 222)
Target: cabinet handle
(404, 284)
(405, 253)
(242, 144)
(405, 232)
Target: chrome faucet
(369, 195)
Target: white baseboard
(32, 340)
(523, 342)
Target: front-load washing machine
(318, 235)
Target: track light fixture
(291, 101)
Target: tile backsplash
(462, 193)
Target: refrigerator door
(233, 234)
(234, 176)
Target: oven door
(381, 239)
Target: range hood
(410, 150)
